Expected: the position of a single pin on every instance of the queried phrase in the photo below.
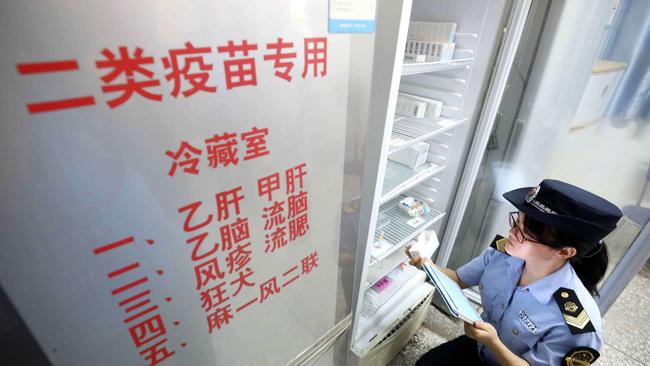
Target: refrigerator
(430, 158)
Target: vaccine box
(412, 156)
(429, 108)
(428, 51)
(410, 107)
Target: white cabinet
(605, 76)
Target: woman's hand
(482, 332)
(418, 261)
(486, 334)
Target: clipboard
(458, 305)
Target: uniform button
(501, 306)
(515, 331)
(480, 286)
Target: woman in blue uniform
(537, 284)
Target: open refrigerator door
(434, 66)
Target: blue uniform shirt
(528, 319)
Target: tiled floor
(626, 329)
(627, 324)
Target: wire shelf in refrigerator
(389, 320)
(412, 68)
(408, 131)
(382, 268)
(401, 228)
(400, 178)
(374, 300)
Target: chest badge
(580, 356)
(525, 320)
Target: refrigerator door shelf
(400, 229)
(397, 257)
(376, 297)
(392, 312)
(408, 131)
(426, 67)
(399, 178)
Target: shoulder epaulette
(499, 243)
(580, 356)
(574, 313)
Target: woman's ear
(567, 252)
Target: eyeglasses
(519, 234)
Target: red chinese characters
(309, 263)
(30, 68)
(255, 143)
(280, 59)
(234, 233)
(145, 325)
(276, 239)
(297, 204)
(315, 56)
(268, 288)
(130, 71)
(206, 272)
(137, 77)
(238, 258)
(147, 330)
(284, 220)
(239, 72)
(221, 293)
(221, 270)
(272, 287)
(214, 297)
(306, 266)
(298, 227)
(187, 156)
(224, 278)
(226, 200)
(221, 150)
(242, 281)
(220, 317)
(274, 215)
(180, 62)
(294, 174)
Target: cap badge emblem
(530, 196)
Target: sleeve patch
(574, 313)
(580, 356)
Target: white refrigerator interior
(410, 195)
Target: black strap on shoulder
(580, 356)
(499, 243)
(574, 313)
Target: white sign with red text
(171, 178)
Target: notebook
(458, 305)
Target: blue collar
(544, 288)
(515, 266)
